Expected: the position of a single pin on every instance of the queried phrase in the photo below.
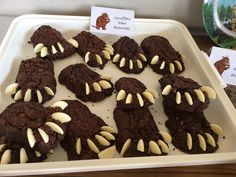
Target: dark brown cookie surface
(85, 83)
(161, 56)
(49, 43)
(35, 81)
(88, 136)
(128, 56)
(133, 94)
(94, 50)
(138, 134)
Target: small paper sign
(112, 21)
(225, 62)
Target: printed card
(112, 21)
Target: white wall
(185, 11)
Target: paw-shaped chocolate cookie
(138, 134)
(185, 94)
(128, 56)
(95, 51)
(86, 84)
(161, 56)
(88, 136)
(32, 126)
(49, 43)
(191, 132)
(133, 94)
(35, 81)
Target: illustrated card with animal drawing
(225, 62)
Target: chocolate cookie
(95, 51)
(88, 136)
(86, 84)
(185, 94)
(30, 125)
(133, 94)
(35, 81)
(161, 56)
(138, 134)
(49, 43)
(129, 57)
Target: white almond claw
(37, 153)
(188, 98)
(217, 129)
(44, 52)
(140, 100)
(78, 146)
(140, 145)
(55, 127)
(97, 87)
(39, 96)
(60, 47)
(178, 64)
(121, 95)
(86, 58)
(163, 65)
(92, 146)
(6, 157)
(23, 156)
(73, 42)
(154, 148)
(54, 50)
(178, 97)
(152, 91)
(149, 97)
(104, 84)
(129, 99)
(166, 136)
(38, 47)
(107, 153)
(106, 77)
(131, 64)
(2, 146)
(110, 46)
(102, 140)
(166, 90)
(49, 91)
(172, 68)
(44, 135)
(87, 89)
(200, 95)
(107, 135)
(139, 64)
(164, 147)
(210, 92)
(18, 95)
(11, 89)
(61, 104)
(98, 59)
(109, 50)
(189, 141)
(116, 58)
(155, 60)
(142, 57)
(122, 62)
(62, 117)
(202, 142)
(27, 96)
(210, 139)
(108, 129)
(106, 54)
(30, 137)
(125, 147)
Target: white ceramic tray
(14, 48)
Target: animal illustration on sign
(102, 21)
(222, 64)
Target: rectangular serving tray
(15, 47)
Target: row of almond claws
(202, 142)
(149, 94)
(107, 52)
(158, 147)
(199, 92)
(13, 89)
(103, 139)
